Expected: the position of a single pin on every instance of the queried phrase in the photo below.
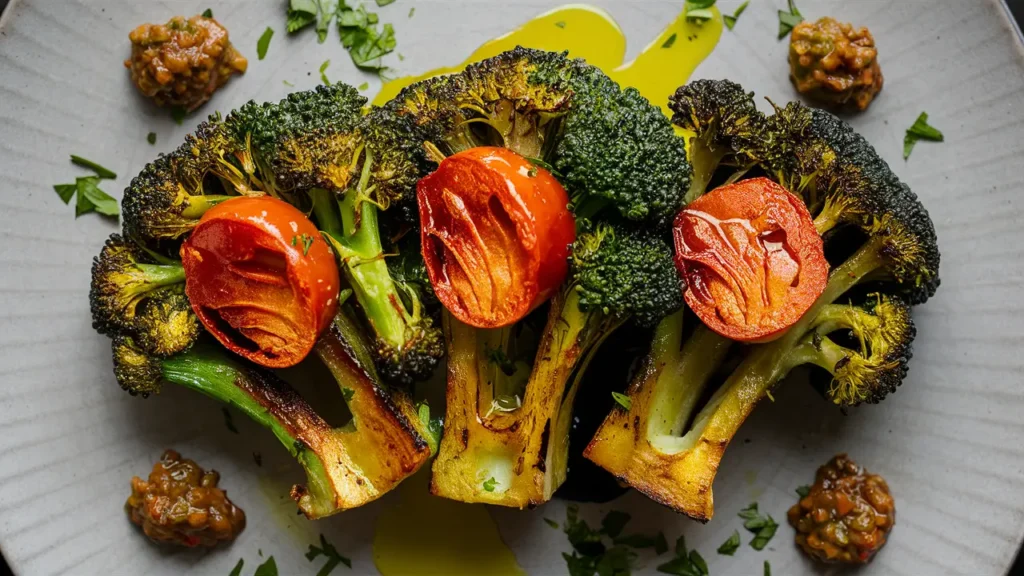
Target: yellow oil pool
(424, 534)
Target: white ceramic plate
(950, 442)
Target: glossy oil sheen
(462, 540)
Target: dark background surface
(1017, 10)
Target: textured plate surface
(950, 442)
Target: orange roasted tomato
(752, 260)
(496, 231)
(261, 279)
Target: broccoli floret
(167, 199)
(346, 466)
(723, 119)
(300, 142)
(616, 274)
(881, 330)
(318, 151)
(131, 293)
(665, 446)
(618, 150)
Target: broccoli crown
(882, 331)
(165, 323)
(137, 372)
(398, 162)
(416, 358)
(717, 111)
(132, 295)
(626, 272)
(170, 195)
(307, 139)
(618, 148)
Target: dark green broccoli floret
(626, 272)
(724, 121)
(863, 343)
(132, 294)
(304, 140)
(616, 149)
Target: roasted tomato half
(496, 231)
(752, 260)
(261, 279)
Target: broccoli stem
(197, 205)
(266, 400)
(571, 338)
(685, 369)
(160, 275)
(351, 228)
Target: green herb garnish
(490, 484)
(237, 570)
(100, 171)
(767, 568)
(264, 42)
(560, 24)
(532, 172)
(640, 541)
(763, 527)
(551, 523)
(613, 523)
(382, 3)
(730, 546)
(323, 72)
(333, 558)
(670, 41)
(697, 12)
(412, 11)
(685, 563)
(208, 13)
(229, 421)
(730, 19)
(803, 491)
(920, 130)
(347, 393)
(178, 114)
(287, 83)
(301, 13)
(622, 400)
(151, 138)
(789, 20)
(89, 197)
(268, 568)
(364, 86)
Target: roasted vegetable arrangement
(503, 222)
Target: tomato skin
(496, 232)
(751, 258)
(261, 279)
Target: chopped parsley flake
(920, 130)
(789, 19)
(264, 42)
(330, 552)
(730, 19)
(622, 400)
(151, 138)
(490, 484)
(729, 547)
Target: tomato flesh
(261, 279)
(496, 232)
(751, 257)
